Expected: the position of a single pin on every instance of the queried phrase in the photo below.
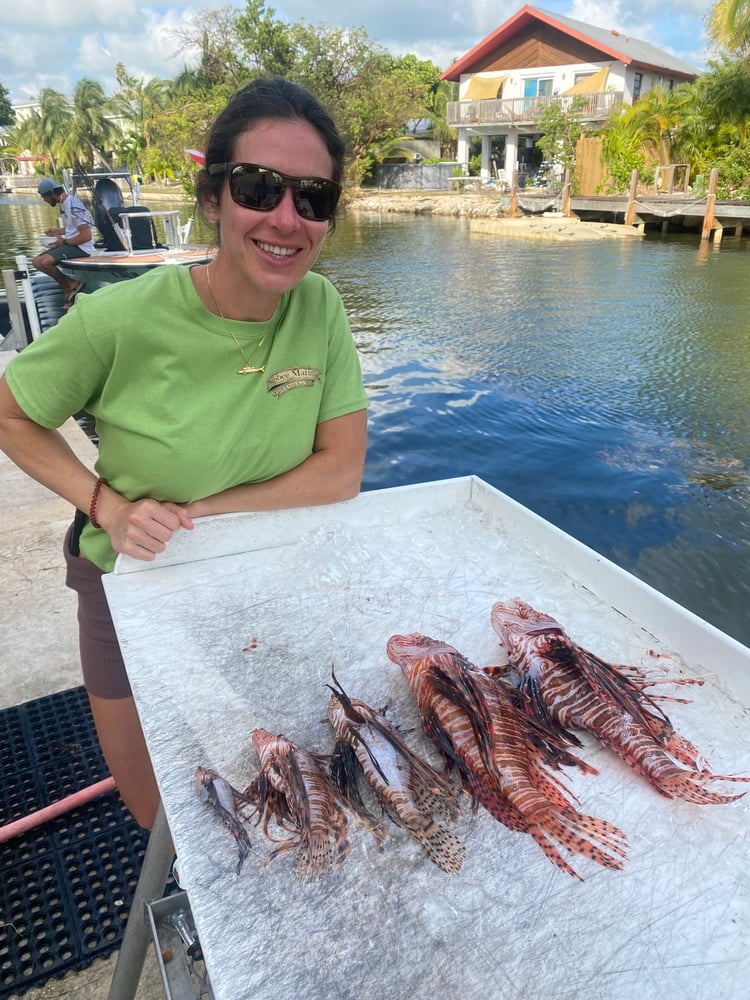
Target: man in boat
(74, 239)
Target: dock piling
(709, 222)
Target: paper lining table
(237, 626)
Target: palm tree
(92, 132)
(728, 24)
(135, 102)
(45, 130)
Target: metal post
(157, 863)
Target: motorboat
(132, 238)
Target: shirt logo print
(291, 378)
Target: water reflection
(605, 386)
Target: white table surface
(330, 585)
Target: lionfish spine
(294, 790)
(408, 788)
(568, 686)
(507, 781)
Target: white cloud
(52, 16)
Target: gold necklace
(247, 368)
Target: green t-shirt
(158, 372)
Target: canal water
(606, 386)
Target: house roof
(611, 43)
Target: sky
(51, 43)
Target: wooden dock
(668, 212)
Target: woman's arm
(333, 472)
(140, 529)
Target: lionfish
(410, 791)
(567, 686)
(225, 801)
(294, 789)
(502, 761)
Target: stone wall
(416, 176)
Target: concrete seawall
(487, 212)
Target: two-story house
(534, 58)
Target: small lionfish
(409, 790)
(294, 790)
(566, 685)
(475, 725)
(225, 801)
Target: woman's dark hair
(266, 97)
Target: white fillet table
(237, 626)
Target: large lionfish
(412, 792)
(565, 685)
(225, 801)
(294, 789)
(502, 760)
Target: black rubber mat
(65, 887)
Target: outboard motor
(107, 199)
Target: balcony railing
(526, 110)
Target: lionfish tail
(441, 846)
(321, 852)
(691, 786)
(587, 836)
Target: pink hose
(19, 826)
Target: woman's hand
(140, 529)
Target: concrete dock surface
(39, 645)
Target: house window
(538, 87)
(580, 77)
(637, 82)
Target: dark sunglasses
(261, 189)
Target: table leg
(157, 862)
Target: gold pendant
(251, 370)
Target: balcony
(526, 110)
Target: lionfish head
(406, 650)
(261, 738)
(516, 617)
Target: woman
(232, 386)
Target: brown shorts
(103, 670)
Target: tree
(561, 129)
(371, 94)
(436, 108)
(135, 101)
(265, 40)
(93, 135)
(623, 146)
(728, 25)
(7, 114)
(180, 125)
(363, 86)
(46, 129)
(213, 34)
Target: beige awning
(594, 84)
(483, 86)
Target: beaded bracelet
(94, 499)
